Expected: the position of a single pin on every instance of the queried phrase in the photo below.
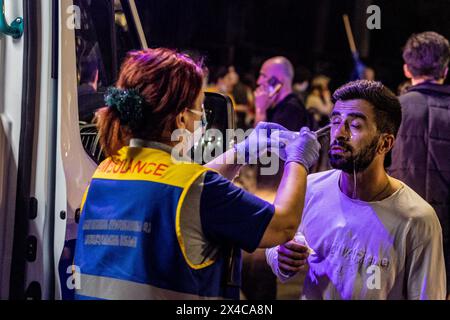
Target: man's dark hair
(386, 106)
(427, 54)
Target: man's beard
(355, 162)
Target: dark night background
(310, 33)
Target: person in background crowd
(368, 74)
(318, 101)
(403, 87)
(243, 97)
(371, 236)
(421, 155)
(301, 85)
(275, 100)
(222, 80)
(234, 76)
(89, 99)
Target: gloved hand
(303, 150)
(249, 150)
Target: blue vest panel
(129, 242)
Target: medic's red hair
(168, 81)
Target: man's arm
(288, 259)
(231, 215)
(260, 116)
(301, 154)
(288, 204)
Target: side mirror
(220, 116)
(219, 112)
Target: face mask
(199, 128)
(189, 148)
(202, 114)
(192, 142)
(193, 139)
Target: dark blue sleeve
(231, 215)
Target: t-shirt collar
(366, 202)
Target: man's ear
(406, 71)
(387, 143)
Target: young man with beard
(372, 237)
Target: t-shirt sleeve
(425, 263)
(231, 215)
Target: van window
(105, 36)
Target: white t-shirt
(389, 249)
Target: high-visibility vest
(132, 239)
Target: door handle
(14, 30)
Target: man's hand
(263, 100)
(292, 257)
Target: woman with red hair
(155, 228)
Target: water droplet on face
(354, 177)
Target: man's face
(269, 70)
(354, 136)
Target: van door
(27, 141)
(11, 82)
(94, 38)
